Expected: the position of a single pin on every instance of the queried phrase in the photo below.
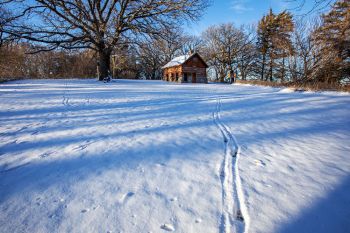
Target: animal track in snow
(126, 197)
(35, 132)
(260, 163)
(85, 210)
(167, 227)
(160, 164)
(291, 168)
(23, 128)
(38, 201)
(244, 147)
(83, 146)
(46, 154)
(65, 101)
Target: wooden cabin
(186, 69)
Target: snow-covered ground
(149, 156)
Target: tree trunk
(153, 77)
(104, 64)
(243, 75)
(283, 70)
(270, 70)
(242, 70)
(263, 67)
(306, 71)
(222, 79)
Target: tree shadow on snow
(328, 214)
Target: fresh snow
(150, 156)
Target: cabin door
(194, 77)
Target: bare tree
(5, 18)
(155, 52)
(170, 43)
(191, 44)
(318, 5)
(150, 59)
(223, 45)
(100, 25)
(247, 55)
(302, 62)
(16, 64)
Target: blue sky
(242, 12)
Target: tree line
(15, 63)
(281, 48)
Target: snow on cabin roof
(177, 61)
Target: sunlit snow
(151, 156)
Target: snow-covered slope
(148, 156)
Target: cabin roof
(177, 61)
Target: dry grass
(299, 86)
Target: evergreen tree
(283, 42)
(333, 38)
(264, 33)
(274, 42)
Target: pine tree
(283, 42)
(333, 37)
(264, 32)
(274, 41)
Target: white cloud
(240, 6)
(282, 5)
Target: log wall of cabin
(201, 74)
(177, 74)
(171, 72)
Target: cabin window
(185, 77)
(177, 77)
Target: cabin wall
(199, 73)
(195, 62)
(172, 74)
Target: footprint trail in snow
(234, 216)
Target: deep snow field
(150, 156)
